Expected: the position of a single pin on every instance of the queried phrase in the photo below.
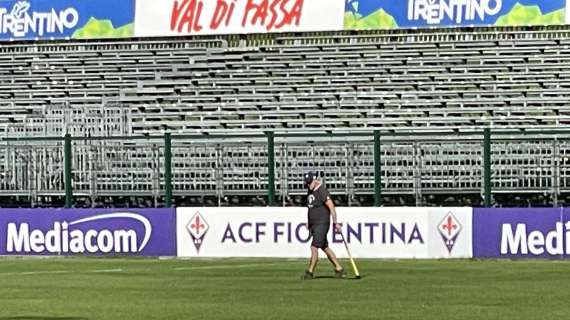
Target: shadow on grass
(41, 318)
(333, 277)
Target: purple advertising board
(521, 233)
(139, 232)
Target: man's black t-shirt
(318, 212)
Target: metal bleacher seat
(400, 80)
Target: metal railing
(359, 163)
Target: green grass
(79, 288)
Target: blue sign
(521, 233)
(59, 19)
(390, 14)
(138, 232)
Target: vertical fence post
(377, 170)
(167, 170)
(555, 172)
(271, 168)
(67, 156)
(487, 166)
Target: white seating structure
(401, 81)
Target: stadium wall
(386, 232)
(94, 19)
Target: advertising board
(74, 19)
(201, 17)
(282, 232)
(388, 14)
(140, 232)
(521, 233)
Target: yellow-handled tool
(354, 267)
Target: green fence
(375, 162)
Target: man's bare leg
(314, 259)
(333, 259)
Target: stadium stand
(440, 81)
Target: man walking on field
(321, 208)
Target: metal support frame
(167, 170)
(377, 170)
(271, 168)
(487, 166)
(67, 150)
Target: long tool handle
(354, 268)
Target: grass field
(79, 288)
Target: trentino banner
(389, 14)
(138, 232)
(60, 19)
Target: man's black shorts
(319, 234)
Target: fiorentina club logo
(197, 227)
(449, 229)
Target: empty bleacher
(399, 81)
(404, 80)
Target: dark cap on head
(309, 177)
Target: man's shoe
(308, 276)
(339, 274)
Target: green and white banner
(389, 14)
(66, 19)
